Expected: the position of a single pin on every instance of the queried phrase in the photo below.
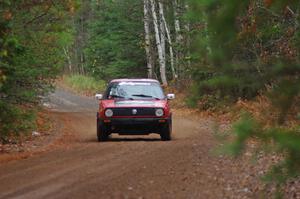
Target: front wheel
(102, 132)
(166, 131)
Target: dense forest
(221, 51)
(32, 36)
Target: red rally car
(134, 107)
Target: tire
(166, 131)
(102, 132)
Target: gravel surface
(65, 101)
(133, 166)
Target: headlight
(159, 112)
(109, 113)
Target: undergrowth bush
(252, 49)
(15, 121)
(84, 84)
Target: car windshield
(135, 90)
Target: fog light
(109, 113)
(159, 112)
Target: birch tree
(178, 35)
(167, 33)
(68, 58)
(162, 29)
(188, 39)
(162, 61)
(149, 57)
(176, 21)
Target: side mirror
(170, 96)
(99, 96)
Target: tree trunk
(82, 63)
(147, 40)
(162, 63)
(167, 31)
(188, 39)
(67, 54)
(178, 36)
(162, 29)
(176, 21)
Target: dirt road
(127, 167)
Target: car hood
(133, 103)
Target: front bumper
(135, 126)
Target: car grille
(130, 111)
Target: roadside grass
(83, 84)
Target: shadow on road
(127, 139)
(133, 139)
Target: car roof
(134, 80)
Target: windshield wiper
(122, 97)
(142, 95)
(116, 96)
